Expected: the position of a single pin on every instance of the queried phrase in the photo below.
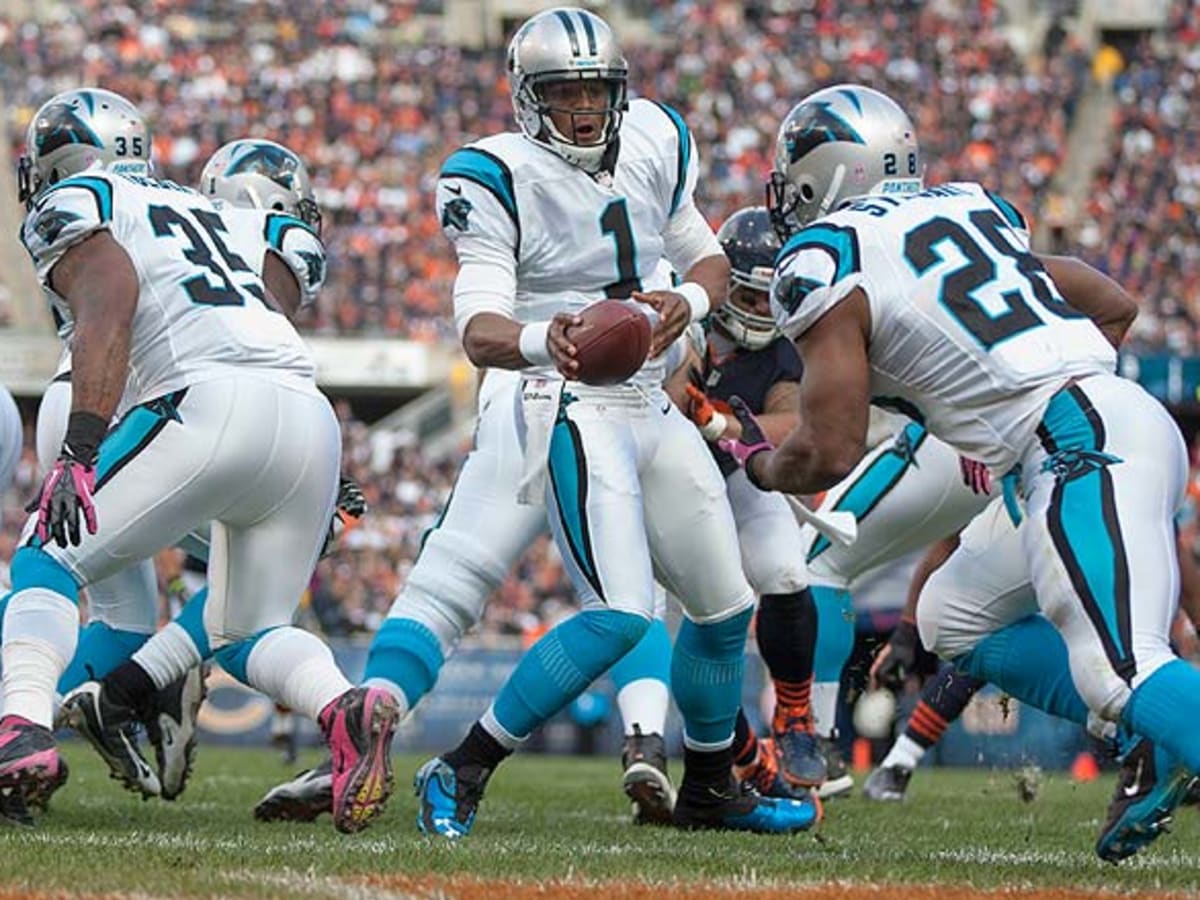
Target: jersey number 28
(964, 290)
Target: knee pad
(449, 584)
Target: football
(612, 342)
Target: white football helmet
(566, 44)
(264, 175)
(73, 131)
(839, 144)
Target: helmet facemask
(262, 175)
(749, 241)
(538, 108)
(736, 316)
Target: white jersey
(201, 309)
(293, 241)
(553, 238)
(968, 332)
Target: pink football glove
(975, 475)
(752, 441)
(66, 493)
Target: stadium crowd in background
(374, 118)
(1144, 207)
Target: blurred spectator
(374, 117)
(1144, 205)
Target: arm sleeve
(300, 248)
(816, 269)
(484, 234)
(687, 239)
(66, 214)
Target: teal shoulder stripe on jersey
(278, 224)
(1011, 214)
(839, 242)
(99, 188)
(684, 156)
(877, 480)
(486, 170)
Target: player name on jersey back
(202, 308)
(968, 331)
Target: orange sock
(793, 704)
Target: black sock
(787, 634)
(129, 685)
(745, 741)
(478, 748)
(949, 693)
(703, 769)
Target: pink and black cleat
(358, 728)
(30, 768)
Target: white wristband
(715, 428)
(696, 297)
(532, 344)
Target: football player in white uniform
(264, 192)
(933, 297)
(742, 353)
(582, 203)
(164, 311)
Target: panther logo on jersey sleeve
(816, 269)
(64, 215)
(299, 246)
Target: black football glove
(351, 505)
(898, 657)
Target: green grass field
(565, 820)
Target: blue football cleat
(740, 808)
(448, 797)
(1151, 784)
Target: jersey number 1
(615, 221)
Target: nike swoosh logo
(454, 189)
(142, 769)
(666, 409)
(1134, 789)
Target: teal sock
(706, 678)
(191, 620)
(1028, 660)
(559, 666)
(101, 649)
(407, 654)
(649, 658)
(1166, 709)
(835, 633)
